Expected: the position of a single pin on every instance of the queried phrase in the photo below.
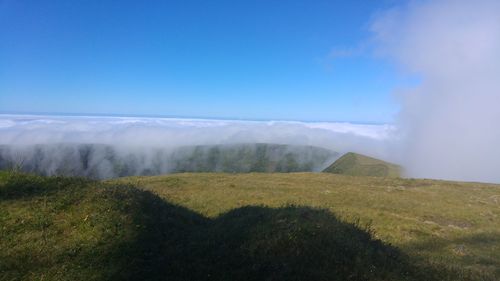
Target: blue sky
(255, 59)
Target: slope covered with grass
(355, 164)
(452, 225)
(74, 229)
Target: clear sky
(248, 59)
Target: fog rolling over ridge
(106, 147)
(450, 122)
(105, 161)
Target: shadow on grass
(135, 235)
(260, 243)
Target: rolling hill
(355, 164)
(99, 161)
(251, 157)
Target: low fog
(106, 147)
(450, 122)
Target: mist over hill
(101, 161)
(107, 147)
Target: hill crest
(355, 164)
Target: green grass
(355, 164)
(299, 226)
(448, 224)
(74, 229)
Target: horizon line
(164, 116)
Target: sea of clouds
(108, 147)
(137, 132)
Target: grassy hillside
(355, 164)
(99, 161)
(449, 224)
(75, 229)
(298, 226)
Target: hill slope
(101, 161)
(251, 157)
(453, 225)
(355, 164)
(247, 227)
(74, 229)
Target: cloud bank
(105, 147)
(450, 123)
(174, 132)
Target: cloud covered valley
(107, 147)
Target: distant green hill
(99, 161)
(250, 157)
(355, 164)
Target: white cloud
(174, 132)
(450, 122)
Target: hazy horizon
(161, 116)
